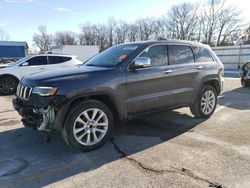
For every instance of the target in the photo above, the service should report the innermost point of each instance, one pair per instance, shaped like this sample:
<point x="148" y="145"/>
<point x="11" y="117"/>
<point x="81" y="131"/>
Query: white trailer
<point x="82" y="52"/>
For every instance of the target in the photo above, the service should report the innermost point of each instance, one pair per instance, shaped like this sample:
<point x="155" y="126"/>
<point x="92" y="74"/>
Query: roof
<point x="171" y="41"/>
<point x="61" y="55"/>
<point x="62" y="46"/>
<point x="14" y="43"/>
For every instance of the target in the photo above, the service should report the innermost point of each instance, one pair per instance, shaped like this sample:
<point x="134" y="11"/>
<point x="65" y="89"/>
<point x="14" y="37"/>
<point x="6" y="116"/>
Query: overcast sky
<point x="20" y="18"/>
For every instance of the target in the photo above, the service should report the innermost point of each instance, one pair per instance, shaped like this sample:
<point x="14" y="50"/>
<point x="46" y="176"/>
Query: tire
<point x="8" y="85"/>
<point x="83" y="135"/>
<point x="245" y="83"/>
<point x="198" y="109"/>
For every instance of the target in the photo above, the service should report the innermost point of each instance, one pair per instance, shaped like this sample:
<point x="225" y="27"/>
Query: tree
<point x="88" y="34"/>
<point x="146" y="28"/>
<point x="228" y="23"/>
<point x="42" y="39"/>
<point x="65" y="38"/>
<point x="4" y="35"/>
<point x="182" y="20"/>
<point x="121" y="32"/>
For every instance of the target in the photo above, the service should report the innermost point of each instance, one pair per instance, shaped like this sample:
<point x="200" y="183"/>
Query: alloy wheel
<point x="90" y="126"/>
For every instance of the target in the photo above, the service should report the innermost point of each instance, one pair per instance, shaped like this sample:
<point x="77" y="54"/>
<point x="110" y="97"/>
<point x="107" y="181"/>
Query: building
<point x="82" y="52"/>
<point x="13" y="49"/>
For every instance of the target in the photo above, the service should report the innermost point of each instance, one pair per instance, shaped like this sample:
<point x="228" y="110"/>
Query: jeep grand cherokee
<point x="122" y="82"/>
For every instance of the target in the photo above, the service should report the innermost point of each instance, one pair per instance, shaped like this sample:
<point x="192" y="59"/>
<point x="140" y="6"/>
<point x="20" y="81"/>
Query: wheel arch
<point x="214" y="82"/>
<point x="106" y="98"/>
<point x="10" y="75"/>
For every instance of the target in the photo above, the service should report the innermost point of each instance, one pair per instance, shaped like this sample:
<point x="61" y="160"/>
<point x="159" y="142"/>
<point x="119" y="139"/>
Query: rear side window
<point x="202" y="55"/>
<point x="57" y="59"/>
<point x="157" y="55"/>
<point x="41" y="60"/>
<point x="179" y="54"/>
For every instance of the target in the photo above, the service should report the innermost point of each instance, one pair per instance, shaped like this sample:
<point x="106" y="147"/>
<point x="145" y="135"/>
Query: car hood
<point x="61" y="74"/>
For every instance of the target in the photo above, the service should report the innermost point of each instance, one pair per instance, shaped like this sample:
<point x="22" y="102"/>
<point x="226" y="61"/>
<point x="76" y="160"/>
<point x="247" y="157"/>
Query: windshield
<point x="19" y="61"/>
<point x="112" y="56"/>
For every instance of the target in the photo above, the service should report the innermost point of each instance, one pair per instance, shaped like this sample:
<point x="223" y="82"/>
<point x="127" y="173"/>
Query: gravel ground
<point x="171" y="149"/>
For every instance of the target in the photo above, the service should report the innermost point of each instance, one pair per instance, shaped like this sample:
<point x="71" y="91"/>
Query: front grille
<point x="23" y="92"/>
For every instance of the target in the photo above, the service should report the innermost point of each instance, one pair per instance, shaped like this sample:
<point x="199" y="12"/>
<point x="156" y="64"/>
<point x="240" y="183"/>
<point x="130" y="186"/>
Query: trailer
<point x="82" y="52"/>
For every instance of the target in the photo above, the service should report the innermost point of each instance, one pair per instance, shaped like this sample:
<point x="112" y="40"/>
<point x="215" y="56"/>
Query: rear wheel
<point x="206" y="103"/>
<point x="8" y="85"/>
<point x="245" y="83"/>
<point x="88" y="126"/>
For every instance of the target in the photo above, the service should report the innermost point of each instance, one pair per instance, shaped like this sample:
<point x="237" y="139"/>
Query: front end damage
<point x="39" y="112"/>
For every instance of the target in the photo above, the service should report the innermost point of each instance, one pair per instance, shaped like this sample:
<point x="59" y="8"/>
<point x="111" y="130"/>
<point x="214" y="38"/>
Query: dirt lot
<point x="171" y="149"/>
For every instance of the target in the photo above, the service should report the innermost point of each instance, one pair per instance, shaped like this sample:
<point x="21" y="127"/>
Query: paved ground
<point x="171" y="149"/>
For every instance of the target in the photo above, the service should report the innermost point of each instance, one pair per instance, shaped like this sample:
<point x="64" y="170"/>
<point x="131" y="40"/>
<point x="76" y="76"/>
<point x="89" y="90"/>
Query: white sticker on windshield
<point x="130" y="48"/>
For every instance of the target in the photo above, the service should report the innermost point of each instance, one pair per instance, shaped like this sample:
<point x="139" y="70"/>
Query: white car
<point x="11" y="73"/>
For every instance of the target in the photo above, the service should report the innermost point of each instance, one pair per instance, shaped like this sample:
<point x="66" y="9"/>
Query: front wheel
<point x="88" y="126"/>
<point x="206" y="103"/>
<point x="8" y="85"/>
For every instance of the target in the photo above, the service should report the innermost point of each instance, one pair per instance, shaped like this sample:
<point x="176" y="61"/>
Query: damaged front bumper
<point x="39" y="113"/>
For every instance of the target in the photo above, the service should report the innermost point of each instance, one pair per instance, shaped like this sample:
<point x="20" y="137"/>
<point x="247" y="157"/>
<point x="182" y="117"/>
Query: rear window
<point x="202" y="55"/>
<point x="180" y="54"/>
<point x="58" y="59"/>
<point x="40" y="60"/>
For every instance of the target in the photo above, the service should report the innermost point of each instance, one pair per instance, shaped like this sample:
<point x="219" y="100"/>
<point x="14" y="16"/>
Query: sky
<point x="20" y="18"/>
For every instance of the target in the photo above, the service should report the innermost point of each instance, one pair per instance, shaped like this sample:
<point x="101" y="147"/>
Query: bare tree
<point x="210" y="16"/>
<point x="65" y="38"/>
<point x="133" y="32"/>
<point x="102" y="36"/>
<point x="121" y="32"/>
<point x="4" y="35"/>
<point x="228" y="23"/>
<point x="88" y="34"/>
<point x="181" y="21"/>
<point x="146" y="28"/>
<point x="42" y="40"/>
<point x="110" y="28"/>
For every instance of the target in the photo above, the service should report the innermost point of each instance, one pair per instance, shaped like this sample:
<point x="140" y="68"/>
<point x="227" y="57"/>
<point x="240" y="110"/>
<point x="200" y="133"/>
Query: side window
<point x="202" y="55"/>
<point x="58" y="59"/>
<point x="41" y="60"/>
<point x="157" y="55"/>
<point x="180" y="54"/>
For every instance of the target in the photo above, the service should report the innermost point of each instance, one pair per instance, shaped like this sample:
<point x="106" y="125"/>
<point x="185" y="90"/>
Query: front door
<point x="150" y="88"/>
<point x="35" y="65"/>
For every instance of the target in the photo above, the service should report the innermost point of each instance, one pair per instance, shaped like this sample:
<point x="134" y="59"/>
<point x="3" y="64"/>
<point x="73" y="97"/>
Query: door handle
<point x="199" y="67"/>
<point x="167" y="71"/>
<point x="42" y="68"/>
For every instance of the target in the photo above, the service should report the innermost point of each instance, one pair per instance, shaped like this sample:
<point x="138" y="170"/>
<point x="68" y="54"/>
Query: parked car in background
<point x="122" y="82"/>
<point x="11" y="73"/>
<point x="245" y="75"/>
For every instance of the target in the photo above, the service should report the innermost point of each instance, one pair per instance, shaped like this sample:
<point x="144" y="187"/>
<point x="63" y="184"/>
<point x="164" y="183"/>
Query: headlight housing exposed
<point x="45" y="91"/>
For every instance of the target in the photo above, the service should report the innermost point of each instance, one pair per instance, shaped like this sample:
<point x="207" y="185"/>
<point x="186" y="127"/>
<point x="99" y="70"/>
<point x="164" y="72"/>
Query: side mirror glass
<point x="25" y="64"/>
<point x="142" y="62"/>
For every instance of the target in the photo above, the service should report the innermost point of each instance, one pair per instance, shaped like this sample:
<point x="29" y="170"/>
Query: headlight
<point x="45" y="91"/>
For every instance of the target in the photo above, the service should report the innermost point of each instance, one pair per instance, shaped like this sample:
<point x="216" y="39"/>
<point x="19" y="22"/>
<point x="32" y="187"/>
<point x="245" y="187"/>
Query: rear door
<point x="183" y="73"/>
<point x="56" y="62"/>
<point x="150" y="88"/>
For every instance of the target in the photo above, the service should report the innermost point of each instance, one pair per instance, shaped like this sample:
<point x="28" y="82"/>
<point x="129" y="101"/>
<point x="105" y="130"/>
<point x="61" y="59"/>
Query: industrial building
<point x="13" y="49"/>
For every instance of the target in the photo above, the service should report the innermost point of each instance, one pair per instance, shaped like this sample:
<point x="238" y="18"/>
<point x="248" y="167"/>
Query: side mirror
<point x="25" y="64"/>
<point x="142" y="62"/>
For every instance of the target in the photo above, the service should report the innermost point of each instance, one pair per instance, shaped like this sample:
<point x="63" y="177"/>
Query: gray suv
<point x="122" y="82"/>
